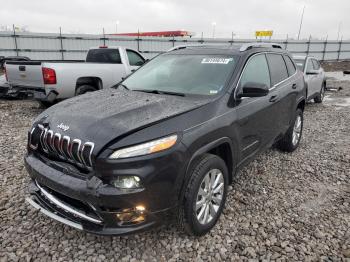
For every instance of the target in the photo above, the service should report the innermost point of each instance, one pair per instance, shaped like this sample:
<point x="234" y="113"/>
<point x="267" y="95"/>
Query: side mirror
<point x="252" y="89"/>
<point x="312" y="72"/>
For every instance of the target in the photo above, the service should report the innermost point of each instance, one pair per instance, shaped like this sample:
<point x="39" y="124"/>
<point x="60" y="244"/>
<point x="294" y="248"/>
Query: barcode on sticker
<point x="216" y="60"/>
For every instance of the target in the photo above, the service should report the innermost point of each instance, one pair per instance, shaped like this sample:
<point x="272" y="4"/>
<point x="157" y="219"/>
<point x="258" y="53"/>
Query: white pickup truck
<point x="52" y="81"/>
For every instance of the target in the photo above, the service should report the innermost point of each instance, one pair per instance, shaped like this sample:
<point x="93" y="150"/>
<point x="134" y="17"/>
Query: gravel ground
<point x="282" y="206"/>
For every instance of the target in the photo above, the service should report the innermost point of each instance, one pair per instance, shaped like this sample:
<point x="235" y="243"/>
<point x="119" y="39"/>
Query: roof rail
<point x="197" y="45"/>
<point x="247" y="46"/>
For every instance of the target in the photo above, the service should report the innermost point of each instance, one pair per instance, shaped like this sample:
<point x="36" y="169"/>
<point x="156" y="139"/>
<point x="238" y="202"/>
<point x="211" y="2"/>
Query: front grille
<point x="62" y="147"/>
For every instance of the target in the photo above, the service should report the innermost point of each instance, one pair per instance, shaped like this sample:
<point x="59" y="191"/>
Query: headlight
<point x="146" y="148"/>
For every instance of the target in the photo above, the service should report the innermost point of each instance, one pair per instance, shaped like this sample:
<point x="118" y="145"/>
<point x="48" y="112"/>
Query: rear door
<point x="257" y="116"/>
<point x="27" y="74"/>
<point x="281" y="87"/>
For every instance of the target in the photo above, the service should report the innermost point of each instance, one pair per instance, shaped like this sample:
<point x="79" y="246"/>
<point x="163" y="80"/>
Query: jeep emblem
<point x="63" y="127"/>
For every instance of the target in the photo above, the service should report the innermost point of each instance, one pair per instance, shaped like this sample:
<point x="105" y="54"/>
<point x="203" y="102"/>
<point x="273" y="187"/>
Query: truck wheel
<point x="205" y="195"/>
<point x="84" y="89"/>
<point x="291" y="139"/>
<point x="320" y="96"/>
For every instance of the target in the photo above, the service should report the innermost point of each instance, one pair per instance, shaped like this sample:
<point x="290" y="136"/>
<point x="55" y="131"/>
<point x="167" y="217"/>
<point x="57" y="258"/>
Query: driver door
<point x="258" y="117"/>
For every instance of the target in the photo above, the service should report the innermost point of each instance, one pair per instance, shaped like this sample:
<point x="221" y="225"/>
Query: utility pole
<point x="301" y="22"/>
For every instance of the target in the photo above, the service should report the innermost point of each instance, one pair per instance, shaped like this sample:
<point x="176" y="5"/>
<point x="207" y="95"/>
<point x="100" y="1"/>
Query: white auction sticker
<point x="216" y="60"/>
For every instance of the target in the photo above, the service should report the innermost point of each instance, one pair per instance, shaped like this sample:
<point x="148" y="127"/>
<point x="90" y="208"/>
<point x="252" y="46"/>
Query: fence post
<point x="308" y="46"/>
<point x="138" y="40"/>
<point x="15" y="38"/>
<point x="324" y="49"/>
<point x="61" y="42"/>
<point x="339" y="50"/>
<point x="104" y="37"/>
<point x="286" y="45"/>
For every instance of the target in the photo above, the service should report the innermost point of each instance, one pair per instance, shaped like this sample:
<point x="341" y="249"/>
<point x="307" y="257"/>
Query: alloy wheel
<point x="209" y="196"/>
<point x="297" y="130"/>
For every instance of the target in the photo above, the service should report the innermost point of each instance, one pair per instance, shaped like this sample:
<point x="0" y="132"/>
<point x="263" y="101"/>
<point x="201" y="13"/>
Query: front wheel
<point x="290" y="141"/>
<point x="205" y="195"/>
<point x="320" y="96"/>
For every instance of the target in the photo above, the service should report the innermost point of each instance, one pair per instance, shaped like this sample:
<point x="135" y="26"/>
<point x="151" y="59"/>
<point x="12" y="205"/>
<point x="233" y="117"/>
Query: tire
<point x="319" y="98"/>
<point x="83" y="89"/>
<point x="189" y="218"/>
<point x="288" y="143"/>
<point x="45" y="104"/>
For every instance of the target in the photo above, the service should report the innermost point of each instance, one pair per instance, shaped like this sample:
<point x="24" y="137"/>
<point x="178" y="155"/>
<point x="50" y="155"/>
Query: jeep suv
<point x="168" y="139"/>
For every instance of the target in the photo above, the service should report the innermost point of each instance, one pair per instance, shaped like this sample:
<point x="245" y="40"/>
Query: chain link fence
<point x="50" y="46"/>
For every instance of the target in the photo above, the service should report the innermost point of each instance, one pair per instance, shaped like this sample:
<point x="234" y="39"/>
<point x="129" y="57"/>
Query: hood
<point x="105" y="115"/>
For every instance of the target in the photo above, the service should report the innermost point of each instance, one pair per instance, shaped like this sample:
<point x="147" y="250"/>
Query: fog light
<point x="132" y="215"/>
<point x="127" y="182"/>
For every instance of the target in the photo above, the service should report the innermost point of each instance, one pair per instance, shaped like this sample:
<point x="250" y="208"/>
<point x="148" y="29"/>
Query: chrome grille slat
<point x="64" y="147"/>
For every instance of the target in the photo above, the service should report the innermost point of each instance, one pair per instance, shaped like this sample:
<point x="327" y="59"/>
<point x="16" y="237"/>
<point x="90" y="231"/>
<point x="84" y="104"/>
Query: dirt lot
<point x="281" y="207"/>
<point x="336" y="66"/>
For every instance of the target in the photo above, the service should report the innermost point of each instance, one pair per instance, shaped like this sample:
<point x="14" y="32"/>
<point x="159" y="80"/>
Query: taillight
<point x="49" y="76"/>
<point x="5" y="73"/>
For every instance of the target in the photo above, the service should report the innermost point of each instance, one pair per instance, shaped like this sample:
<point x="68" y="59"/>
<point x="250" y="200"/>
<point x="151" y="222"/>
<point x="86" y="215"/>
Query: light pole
<point x="116" y="27"/>
<point x="214" y="25"/>
<point x="339" y="29"/>
<point x="301" y="21"/>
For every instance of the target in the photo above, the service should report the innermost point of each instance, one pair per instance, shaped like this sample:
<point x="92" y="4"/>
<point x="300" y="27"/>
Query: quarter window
<point x="278" y="68"/>
<point x="256" y="71"/>
<point x="134" y="58"/>
<point x="290" y="65"/>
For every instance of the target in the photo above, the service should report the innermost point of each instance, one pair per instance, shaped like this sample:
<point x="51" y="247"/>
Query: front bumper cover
<point x="85" y="204"/>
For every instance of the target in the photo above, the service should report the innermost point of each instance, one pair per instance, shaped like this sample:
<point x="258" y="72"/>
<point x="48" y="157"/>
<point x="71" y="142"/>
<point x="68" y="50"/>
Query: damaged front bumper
<point x="88" y="204"/>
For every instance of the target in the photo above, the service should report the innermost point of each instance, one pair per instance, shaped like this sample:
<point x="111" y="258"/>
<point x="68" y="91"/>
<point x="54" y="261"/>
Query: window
<point x="104" y="55"/>
<point x="256" y="71"/>
<point x="290" y="65"/>
<point x="278" y="68"/>
<point x="316" y="64"/>
<point x="134" y="58"/>
<point x="309" y="65"/>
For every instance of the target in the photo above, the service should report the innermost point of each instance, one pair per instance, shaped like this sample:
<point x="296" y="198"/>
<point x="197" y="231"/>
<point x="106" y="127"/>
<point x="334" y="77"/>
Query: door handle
<point x="273" y="98"/>
<point x="294" y="86"/>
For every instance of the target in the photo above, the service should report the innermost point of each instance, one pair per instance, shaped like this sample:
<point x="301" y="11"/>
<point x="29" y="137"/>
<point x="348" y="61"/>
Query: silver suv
<point x="314" y="77"/>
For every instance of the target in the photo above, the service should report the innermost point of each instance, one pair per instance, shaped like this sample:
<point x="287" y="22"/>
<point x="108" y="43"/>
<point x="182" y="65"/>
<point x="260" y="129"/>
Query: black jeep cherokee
<point x="168" y="138"/>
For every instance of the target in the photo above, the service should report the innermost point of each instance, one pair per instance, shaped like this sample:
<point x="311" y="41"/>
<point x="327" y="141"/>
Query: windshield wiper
<point x="124" y="86"/>
<point x="160" y="92"/>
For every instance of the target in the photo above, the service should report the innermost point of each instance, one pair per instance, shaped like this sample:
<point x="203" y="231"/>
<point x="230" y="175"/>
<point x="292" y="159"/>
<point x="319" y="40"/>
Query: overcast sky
<point x="322" y="17"/>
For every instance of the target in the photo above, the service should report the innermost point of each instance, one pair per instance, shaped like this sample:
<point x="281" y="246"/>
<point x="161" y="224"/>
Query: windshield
<point x="186" y="74"/>
<point x="300" y="63"/>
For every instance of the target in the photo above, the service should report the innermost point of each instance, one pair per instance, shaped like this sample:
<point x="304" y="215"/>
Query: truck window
<point x="277" y="67"/>
<point x="290" y="66"/>
<point x="134" y="58"/>
<point x="256" y="71"/>
<point x="104" y="55"/>
<point x="309" y="65"/>
<point x="316" y="64"/>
